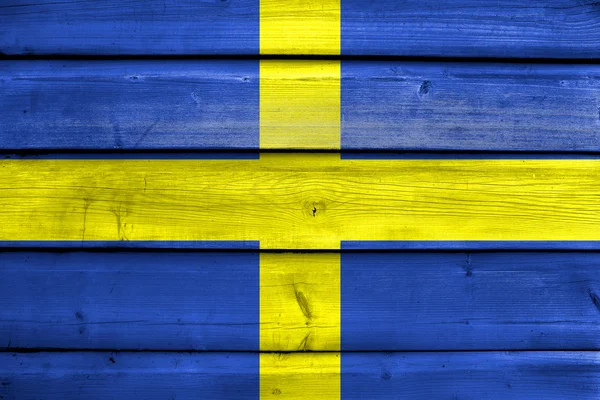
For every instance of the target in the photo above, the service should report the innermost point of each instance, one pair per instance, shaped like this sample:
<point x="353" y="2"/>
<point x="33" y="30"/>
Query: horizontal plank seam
<point x="465" y="250"/>
<point x="433" y="59"/>
<point x="18" y="350"/>
<point x="225" y="153"/>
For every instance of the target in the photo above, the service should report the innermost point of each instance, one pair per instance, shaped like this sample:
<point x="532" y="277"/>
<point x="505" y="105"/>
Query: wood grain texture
<point x="145" y="375"/>
<point x="132" y="300"/>
<point x="464" y="28"/>
<point x="114" y="27"/>
<point x="489" y="375"/>
<point x="189" y="105"/>
<point x="389" y="301"/>
<point x="476" y="106"/>
<point x="300" y="375"/>
<point x="300" y="200"/>
<point x="471" y="28"/>
<point x="472" y="301"/>
<point x="129" y="105"/>
<point x="299" y="302"/>
<point x="300" y="27"/>
<point x="300" y="104"/>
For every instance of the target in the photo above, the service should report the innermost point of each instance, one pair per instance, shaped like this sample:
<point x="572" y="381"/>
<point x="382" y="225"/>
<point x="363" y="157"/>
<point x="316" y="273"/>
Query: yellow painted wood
<point x="299" y="104"/>
<point x="299" y="311"/>
<point x="299" y="301"/>
<point x="300" y="376"/>
<point x="300" y="27"/>
<point x="295" y="201"/>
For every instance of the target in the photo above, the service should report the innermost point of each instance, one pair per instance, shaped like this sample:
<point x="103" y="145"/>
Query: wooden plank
<point x="471" y="28"/>
<point x="462" y="28"/>
<point x="389" y="301"/>
<point x="472" y="301"/>
<point x="188" y="105"/>
<point x="300" y="104"/>
<point x="114" y="27"/>
<point x="99" y="375"/>
<point x="132" y="300"/>
<point x="480" y="107"/>
<point x="489" y="375"/>
<point x="300" y="27"/>
<point x="299" y="302"/>
<point x="300" y="375"/>
<point x="300" y="200"/>
<point x="129" y="105"/>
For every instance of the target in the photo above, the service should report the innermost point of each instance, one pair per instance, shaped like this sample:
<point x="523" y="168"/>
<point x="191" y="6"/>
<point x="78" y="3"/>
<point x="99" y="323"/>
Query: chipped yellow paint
<point x="300" y="376"/>
<point x="299" y="104"/>
<point x="300" y="201"/>
<point x="299" y="301"/>
<point x="300" y="27"/>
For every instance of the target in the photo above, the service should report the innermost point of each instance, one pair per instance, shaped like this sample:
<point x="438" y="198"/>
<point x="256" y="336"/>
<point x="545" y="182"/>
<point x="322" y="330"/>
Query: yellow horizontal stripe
<point x="291" y="201"/>
<point x="299" y="104"/>
<point x="300" y="27"/>
<point x="300" y="376"/>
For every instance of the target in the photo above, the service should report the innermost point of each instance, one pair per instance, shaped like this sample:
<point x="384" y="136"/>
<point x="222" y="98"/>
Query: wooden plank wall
<point x="328" y="199"/>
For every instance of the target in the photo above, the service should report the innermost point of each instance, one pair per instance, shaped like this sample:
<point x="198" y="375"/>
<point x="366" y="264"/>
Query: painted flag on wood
<point x="308" y="228"/>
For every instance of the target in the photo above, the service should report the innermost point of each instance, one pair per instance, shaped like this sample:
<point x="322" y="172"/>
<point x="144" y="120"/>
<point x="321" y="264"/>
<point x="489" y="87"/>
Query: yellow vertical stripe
<point x="300" y="311"/>
<point x="300" y="27"/>
<point x="300" y="376"/>
<point x="299" y="104"/>
<point x="299" y="301"/>
<point x="300" y="109"/>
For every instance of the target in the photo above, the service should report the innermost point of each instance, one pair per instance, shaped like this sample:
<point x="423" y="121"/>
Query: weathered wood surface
<point x="129" y="105"/>
<point x="189" y="105"/>
<point x="490" y="375"/>
<point x="481" y="107"/>
<point x="473" y="301"/>
<point x="138" y="27"/>
<point x="130" y="300"/>
<point x="464" y="28"/>
<point x="389" y="301"/>
<point x="300" y="200"/>
<point x="99" y="375"/>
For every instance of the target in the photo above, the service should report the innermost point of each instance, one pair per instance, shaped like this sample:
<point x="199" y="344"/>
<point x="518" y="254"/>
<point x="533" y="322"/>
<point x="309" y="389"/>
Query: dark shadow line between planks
<point x="224" y="153"/>
<point x="429" y="250"/>
<point x="436" y="59"/>
<point x="22" y="350"/>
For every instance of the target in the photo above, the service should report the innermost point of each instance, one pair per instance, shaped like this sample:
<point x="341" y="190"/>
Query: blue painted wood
<point x="189" y="300"/>
<point x="470" y="106"/>
<point x="488" y="375"/>
<point x="164" y="27"/>
<point x="471" y="28"/>
<point x="470" y="301"/>
<point x="131" y="244"/>
<point x="129" y="300"/>
<point x="459" y="28"/>
<point x="467" y="245"/>
<point x="188" y="105"/>
<point x="129" y="105"/>
<point x="100" y="375"/>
